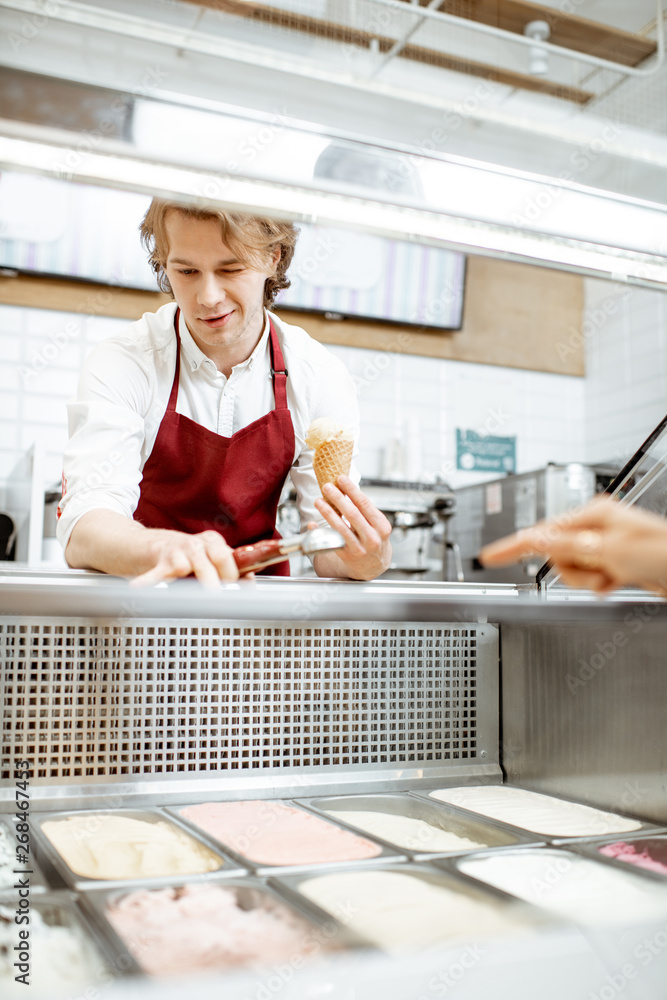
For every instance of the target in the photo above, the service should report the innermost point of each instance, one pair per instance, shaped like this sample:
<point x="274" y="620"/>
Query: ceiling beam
<point x="570" y="31"/>
<point x="346" y="35"/>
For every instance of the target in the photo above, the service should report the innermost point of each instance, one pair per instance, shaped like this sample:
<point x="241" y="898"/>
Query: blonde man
<point x="186" y="425"/>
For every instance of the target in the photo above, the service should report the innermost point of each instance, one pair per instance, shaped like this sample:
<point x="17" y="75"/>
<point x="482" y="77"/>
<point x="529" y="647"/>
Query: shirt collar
<point x="196" y="357"/>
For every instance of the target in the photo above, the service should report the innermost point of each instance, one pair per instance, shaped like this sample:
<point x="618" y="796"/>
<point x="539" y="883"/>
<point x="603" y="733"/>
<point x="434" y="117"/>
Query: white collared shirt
<point x="123" y="393"/>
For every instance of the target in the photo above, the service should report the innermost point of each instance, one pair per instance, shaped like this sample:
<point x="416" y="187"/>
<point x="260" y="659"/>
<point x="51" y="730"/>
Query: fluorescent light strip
<point x="326" y="208"/>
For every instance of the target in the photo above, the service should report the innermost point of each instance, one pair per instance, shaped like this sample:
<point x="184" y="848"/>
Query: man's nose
<point x="211" y="290"/>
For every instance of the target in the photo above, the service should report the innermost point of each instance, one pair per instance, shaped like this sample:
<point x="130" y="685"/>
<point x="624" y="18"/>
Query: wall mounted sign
<point x="484" y="453"/>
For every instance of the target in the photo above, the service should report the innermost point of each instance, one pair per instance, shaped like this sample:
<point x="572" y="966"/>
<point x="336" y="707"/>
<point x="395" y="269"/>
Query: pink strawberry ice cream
<point x="204" y="928"/>
<point x="272" y="833"/>
<point x="650" y="853"/>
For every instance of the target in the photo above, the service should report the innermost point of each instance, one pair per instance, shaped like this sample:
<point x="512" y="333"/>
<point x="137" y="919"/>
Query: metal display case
<point x="328" y="692"/>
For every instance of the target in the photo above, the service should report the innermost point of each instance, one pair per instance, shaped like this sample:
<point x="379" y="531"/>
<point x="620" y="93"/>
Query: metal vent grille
<point x="83" y="700"/>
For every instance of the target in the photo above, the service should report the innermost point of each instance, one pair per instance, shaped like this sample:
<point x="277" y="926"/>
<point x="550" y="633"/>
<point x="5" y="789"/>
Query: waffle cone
<point x="332" y="459"/>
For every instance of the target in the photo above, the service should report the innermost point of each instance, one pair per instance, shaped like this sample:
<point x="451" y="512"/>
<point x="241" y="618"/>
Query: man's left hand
<point x="366" y="531"/>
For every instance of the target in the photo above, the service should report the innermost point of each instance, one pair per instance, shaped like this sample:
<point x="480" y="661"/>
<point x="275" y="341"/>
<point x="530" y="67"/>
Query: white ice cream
<point x="401" y="912"/>
<point x="580" y="889"/>
<point x="7" y="859"/>
<point x="62" y="961"/>
<point x="405" y="831"/>
<point x="536" y="812"/>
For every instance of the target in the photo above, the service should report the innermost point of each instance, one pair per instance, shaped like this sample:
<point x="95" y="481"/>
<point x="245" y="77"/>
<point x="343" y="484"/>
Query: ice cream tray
<point x="327" y="931"/>
<point x="61" y="909"/>
<point x="486" y="833"/>
<point x="386" y="852"/>
<point x="525" y="835"/>
<point x="522" y="916"/>
<point x="649" y="904"/>
<point x="59" y="872"/>
<point x="591" y="849"/>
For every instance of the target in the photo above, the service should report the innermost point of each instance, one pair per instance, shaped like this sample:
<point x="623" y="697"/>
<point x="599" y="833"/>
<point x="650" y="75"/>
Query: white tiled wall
<point x="421" y="401"/>
<point x="415" y="401"/>
<point x="625" y="332"/>
<point x="41" y="354"/>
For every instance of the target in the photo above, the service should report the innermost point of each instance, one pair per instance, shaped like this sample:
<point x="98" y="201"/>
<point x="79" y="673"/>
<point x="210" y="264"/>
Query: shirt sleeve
<point x="105" y="453"/>
<point x="336" y="398"/>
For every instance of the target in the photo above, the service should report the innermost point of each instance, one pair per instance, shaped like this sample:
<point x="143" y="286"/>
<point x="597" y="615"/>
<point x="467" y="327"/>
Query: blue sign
<point x="484" y="453"/>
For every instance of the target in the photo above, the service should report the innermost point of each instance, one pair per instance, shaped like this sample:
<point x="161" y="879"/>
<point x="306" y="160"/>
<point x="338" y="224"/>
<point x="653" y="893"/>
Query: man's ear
<point x="275" y="257"/>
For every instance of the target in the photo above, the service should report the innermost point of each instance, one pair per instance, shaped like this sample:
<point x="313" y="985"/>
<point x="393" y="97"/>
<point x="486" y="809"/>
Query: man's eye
<point x="186" y="271"/>
<point x="237" y="270"/>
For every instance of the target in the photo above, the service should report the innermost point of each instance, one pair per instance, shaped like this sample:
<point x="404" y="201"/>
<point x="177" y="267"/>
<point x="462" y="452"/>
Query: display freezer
<point x="344" y="705"/>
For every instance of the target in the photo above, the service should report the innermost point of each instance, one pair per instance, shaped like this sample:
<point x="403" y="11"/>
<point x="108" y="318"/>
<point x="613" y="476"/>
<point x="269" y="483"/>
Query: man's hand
<point x="206" y="555"/>
<point x="366" y="531"/>
<point x="112" y="543"/>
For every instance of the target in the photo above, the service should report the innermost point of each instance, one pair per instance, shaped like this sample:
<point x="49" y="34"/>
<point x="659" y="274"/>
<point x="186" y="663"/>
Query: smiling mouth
<point x="219" y="320"/>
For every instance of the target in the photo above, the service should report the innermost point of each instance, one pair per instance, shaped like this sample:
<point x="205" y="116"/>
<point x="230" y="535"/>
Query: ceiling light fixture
<point x="538" y="57"/>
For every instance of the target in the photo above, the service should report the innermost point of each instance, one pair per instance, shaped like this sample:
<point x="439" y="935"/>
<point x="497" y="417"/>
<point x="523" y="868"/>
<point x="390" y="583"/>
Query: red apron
<point x="196" y="480"/>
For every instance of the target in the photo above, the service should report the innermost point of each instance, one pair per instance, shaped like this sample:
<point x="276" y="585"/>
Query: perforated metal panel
<point x="82" y="700"/>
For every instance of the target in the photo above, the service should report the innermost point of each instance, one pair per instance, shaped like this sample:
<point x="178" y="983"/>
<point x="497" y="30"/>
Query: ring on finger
<point x="588" y="545"/>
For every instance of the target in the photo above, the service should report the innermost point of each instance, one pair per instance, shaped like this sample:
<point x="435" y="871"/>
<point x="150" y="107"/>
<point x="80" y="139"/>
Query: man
<point x="186" y="425"/>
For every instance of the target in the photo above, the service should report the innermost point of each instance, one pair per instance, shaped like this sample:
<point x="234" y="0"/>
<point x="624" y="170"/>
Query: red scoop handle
<point x="251" y="557"/>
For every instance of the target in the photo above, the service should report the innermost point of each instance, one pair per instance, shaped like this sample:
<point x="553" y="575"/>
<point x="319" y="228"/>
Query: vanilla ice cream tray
<point x="509" y="916"/>
<point x="598" y="819"/>
<point x="209" y="859"/>
<point x="427" y="826"/>
<point x="565" y="881"/>
<point x="383" y="853"/>
<point x="251" y="893"/>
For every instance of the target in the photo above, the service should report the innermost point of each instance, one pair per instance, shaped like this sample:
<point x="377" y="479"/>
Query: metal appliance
<point x="490" y="510"/>
<point x="420" y="515"/>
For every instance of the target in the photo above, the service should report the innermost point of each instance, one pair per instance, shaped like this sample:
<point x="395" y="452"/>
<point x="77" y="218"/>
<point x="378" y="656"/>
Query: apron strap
<point x="173" y="396"/>
<point x="278" y="371"/>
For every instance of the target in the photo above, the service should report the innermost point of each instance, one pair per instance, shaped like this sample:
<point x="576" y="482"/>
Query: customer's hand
<point x="600" y="547"/>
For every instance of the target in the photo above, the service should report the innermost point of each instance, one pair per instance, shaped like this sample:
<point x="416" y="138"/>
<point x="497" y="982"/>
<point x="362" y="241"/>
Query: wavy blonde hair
<point x="252" y="239"/>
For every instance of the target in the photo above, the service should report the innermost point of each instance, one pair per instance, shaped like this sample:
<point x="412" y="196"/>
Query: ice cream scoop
<point x="250" y="558"/>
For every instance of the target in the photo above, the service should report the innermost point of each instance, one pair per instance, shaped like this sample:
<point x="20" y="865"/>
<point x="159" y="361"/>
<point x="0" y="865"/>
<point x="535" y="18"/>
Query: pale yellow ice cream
<point x="107" y="846"/>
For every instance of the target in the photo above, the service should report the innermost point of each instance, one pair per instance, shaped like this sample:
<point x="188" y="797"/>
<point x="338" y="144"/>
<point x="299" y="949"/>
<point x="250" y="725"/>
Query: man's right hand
<point x="107" y="541"/>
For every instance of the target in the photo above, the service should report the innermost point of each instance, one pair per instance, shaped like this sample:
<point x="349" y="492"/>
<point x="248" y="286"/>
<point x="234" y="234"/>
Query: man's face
<point x="220" y="298"/>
